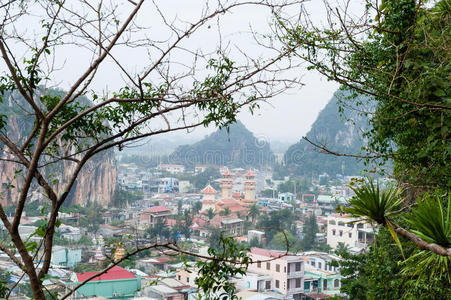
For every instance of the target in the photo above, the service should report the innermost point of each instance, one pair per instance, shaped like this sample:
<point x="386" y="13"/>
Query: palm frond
<point x="431" y="222"/>
<point x="373" y="203"/>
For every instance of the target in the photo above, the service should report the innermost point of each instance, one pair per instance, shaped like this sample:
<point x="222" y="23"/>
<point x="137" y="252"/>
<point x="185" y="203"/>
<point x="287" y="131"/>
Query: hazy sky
<point x="287" y="118"/>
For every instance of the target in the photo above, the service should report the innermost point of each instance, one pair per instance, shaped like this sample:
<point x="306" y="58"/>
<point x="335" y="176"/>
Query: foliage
<point x="197" y="207"/>
<point x="432" y="223"/>
<point x="85" y="241"/>
<point x="275" y="222"/>
<point x="255" y="243"/>
<point x="122" y="198"/>
<point x="214" y="238"/>
<point x="298" y="186"/>
<point x="284" y="241"/>
<point x="398" y="61"/>
<point x="199" y="181"/>
<point x="210" y="213"/>
<point x="158" y="230"/>
<point x="310" y="229"/>
<point x="378" y="274"/>
<point x="228" y="259"/>
<point x="337" y="134"/>
<point x="4" y="278"/>
<point x="373" y="203"/>
<point x="254" y="212"/>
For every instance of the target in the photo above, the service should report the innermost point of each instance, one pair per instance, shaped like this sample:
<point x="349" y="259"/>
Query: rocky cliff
<point x="340" y="133"/>
<point x="95" y="183"/>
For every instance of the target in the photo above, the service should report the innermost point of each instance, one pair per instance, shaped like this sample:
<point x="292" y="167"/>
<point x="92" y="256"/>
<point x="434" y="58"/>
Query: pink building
<point x="284" y="273"/>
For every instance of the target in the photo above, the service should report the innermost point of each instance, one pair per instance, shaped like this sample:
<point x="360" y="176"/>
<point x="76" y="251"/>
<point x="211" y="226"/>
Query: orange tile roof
<point x="208" y="190"/>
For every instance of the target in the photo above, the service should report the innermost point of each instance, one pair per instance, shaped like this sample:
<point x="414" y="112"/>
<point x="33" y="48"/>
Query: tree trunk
<point x="29" y="268"/>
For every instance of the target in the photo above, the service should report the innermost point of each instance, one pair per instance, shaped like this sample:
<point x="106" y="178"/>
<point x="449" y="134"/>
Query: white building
<point x="171" y="168"/>
<point x="283" y="273"/>
<point x="342" y="229"/>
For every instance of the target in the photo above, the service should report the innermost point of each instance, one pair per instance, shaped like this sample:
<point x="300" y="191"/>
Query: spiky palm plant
<point x="431" y="222"/>
<point x="374" y="204"/>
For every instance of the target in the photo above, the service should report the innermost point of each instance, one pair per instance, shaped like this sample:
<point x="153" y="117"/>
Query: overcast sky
<point x="286" y="118"/>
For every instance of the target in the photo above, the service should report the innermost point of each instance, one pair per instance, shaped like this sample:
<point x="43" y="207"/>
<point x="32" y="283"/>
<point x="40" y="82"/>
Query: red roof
<point x="249" y="174"/>
<point x="236" y="208"/>
<point x="229" y="201"/>
<point x="156" y="209"/>
<point x="226" y="173"/>
<point x="114" y="273"/>
<point x="267" y="253"/>
<point x="209" y="190"/>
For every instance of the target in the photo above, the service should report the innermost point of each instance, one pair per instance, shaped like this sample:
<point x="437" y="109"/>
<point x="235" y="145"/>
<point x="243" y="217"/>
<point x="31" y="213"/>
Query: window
<point x="336" y="283"/>
<point x="341" y="223"/>
<point x="350" y="225"/>
<point x="187" y="279"/>
<point x="259" y="264"/>
<point x="169" y="298"/>
<point x="332" y="222"/>
<point x="268" y="285"/>
<point x="360" y="226"/>
<point x="333" y="231"/>
<point x="284" y="269"/>
<point x="319" y="265"/>
<point x="325" y="284"/>
<point x="180" y="277"/>
<point x="298" y="266"/>
<point x="268" y="266"/>
<point x="350" y="235"/>
<point x="277" y="268"/>
<point x="313" y="263"/>
<point x="298" y="282"/>
<point x="277" y="284"/>
<point x="341" y="232"/>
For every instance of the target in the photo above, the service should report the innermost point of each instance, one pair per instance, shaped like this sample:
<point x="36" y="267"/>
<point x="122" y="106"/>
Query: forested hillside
<point x="236" y="147"/>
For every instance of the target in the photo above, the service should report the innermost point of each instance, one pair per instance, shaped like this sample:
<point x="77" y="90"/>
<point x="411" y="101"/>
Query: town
<point x="159" y="204"/>
<point x="225" y="150"/>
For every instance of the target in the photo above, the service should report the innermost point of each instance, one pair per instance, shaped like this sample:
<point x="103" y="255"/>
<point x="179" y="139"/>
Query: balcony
<point x="292" y="291"/>
<point x="296" y="274"/>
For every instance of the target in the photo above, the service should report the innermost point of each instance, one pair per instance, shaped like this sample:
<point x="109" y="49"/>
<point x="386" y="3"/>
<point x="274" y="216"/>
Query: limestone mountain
<point x="95" y="183"/>
<point x="339" y="132"/>
<point x="235" y="147"/>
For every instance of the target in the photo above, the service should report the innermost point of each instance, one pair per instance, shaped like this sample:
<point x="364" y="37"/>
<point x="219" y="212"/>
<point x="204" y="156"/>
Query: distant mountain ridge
<point x="338" y="135"/>
<point x="237" y="147"/>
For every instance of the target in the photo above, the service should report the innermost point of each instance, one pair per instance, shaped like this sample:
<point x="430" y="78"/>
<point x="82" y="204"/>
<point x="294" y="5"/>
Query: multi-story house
<point x="155" y="214"/>
<point x="284" y="273"/>
<point x="349" y="231"/>
<point x="232" y="226"/>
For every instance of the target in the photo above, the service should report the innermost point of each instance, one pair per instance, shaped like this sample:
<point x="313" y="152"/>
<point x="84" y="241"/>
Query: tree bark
<point x="437" y="249"/>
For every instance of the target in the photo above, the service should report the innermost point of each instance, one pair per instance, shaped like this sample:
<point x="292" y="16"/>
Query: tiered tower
<point x="226" y="184"/>
<point x="249" y="187"/>
<point x="208" y="198"/>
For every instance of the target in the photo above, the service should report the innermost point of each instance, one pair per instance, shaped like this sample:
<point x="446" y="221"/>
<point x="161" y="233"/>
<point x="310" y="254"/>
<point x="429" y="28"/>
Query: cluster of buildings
<point x="271" y="275"/>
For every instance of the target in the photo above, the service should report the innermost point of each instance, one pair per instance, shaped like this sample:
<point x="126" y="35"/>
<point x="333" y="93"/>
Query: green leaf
<point x="395" y="238"/>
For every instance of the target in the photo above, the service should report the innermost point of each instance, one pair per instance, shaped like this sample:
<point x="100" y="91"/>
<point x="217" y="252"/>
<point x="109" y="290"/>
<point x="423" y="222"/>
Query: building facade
<point x="344" y="229"/>
<point x="285" y="272"/>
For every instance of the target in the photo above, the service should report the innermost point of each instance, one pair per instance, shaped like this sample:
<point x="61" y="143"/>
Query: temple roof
<point x="208" y="190"/>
